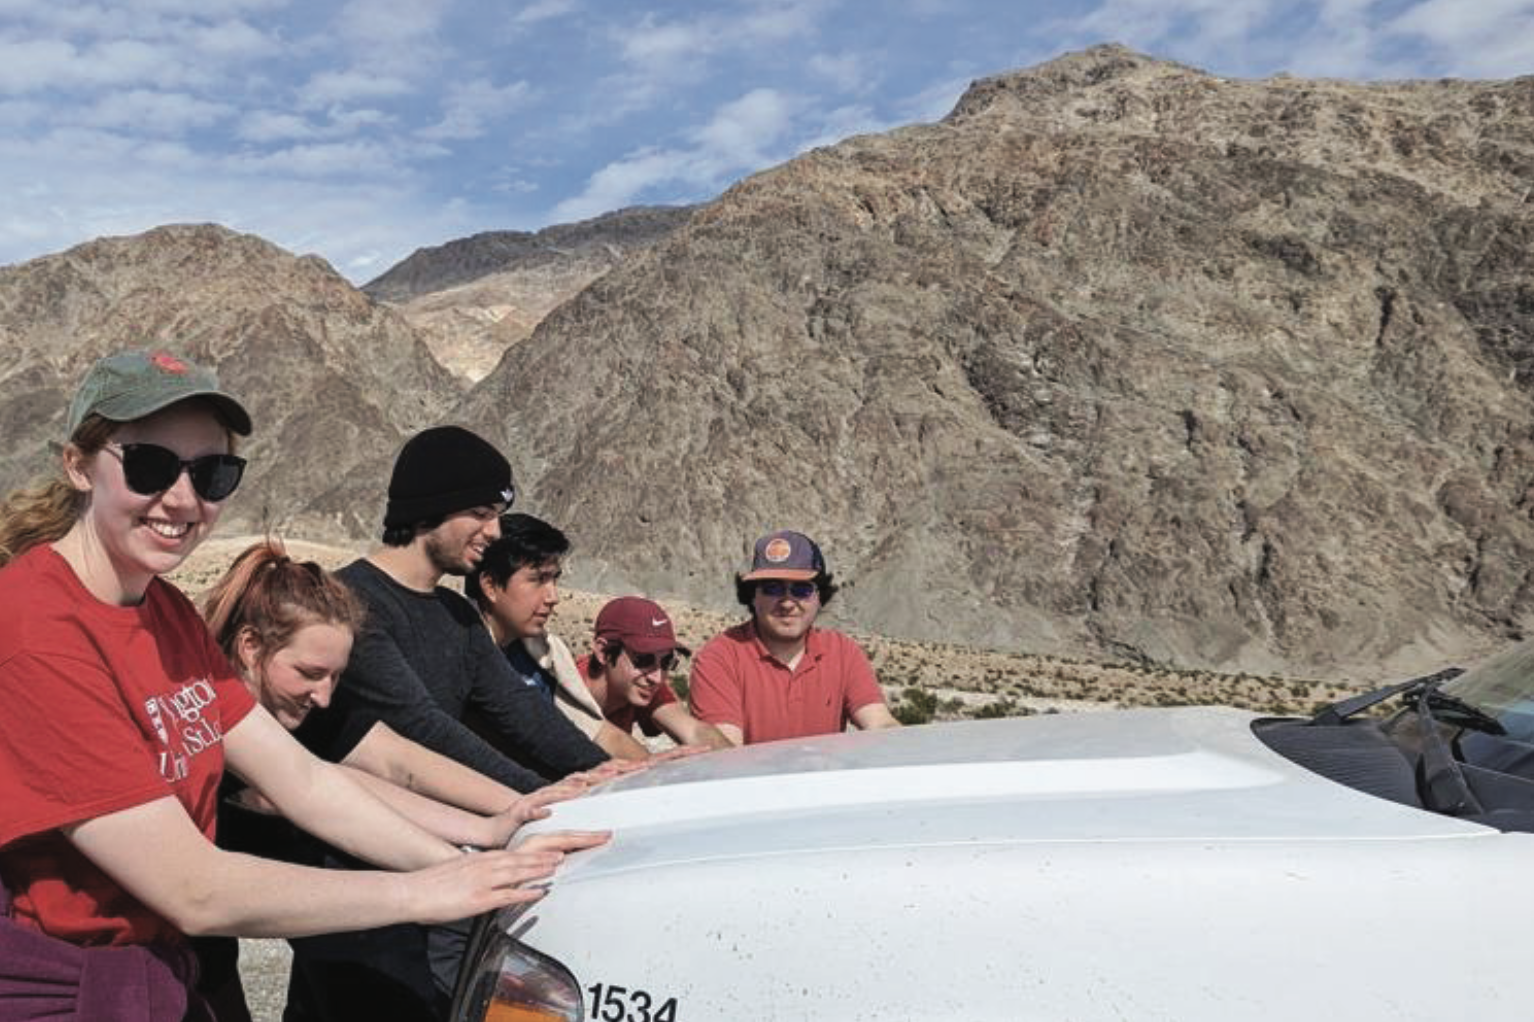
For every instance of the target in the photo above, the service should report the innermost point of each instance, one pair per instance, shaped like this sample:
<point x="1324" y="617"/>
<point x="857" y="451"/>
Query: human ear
<point x="247" y="649"/>
<point x="75" y="463"/>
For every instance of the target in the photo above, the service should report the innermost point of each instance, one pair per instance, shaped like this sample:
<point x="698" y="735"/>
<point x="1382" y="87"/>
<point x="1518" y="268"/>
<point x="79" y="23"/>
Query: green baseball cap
<point x="133" y="384"/>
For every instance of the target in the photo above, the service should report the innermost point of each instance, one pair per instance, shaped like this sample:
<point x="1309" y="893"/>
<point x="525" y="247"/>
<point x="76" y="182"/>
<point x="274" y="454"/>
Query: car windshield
<point x="1503" y="687"/>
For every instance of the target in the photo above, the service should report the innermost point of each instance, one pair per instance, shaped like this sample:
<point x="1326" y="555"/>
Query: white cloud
<point x="543" y="10"/>
<point x="741" y="132"/>
<point x="932" y="103"/>
<point x="743" y="135"/>
<point x="1202" y="26"/>
<point x="322" y="159"/>
<point x="274" y="126"/>
<point x="340" y="87"/>
<point x="470" y="105"/>
<point x="142" y="110"/>
<point x="31" y="65"/>
<point x="847" y="70"/>
<point x="1483" y="38"/>
<point x="393" y="26"/>
<point x="843" y="122"/>
<point x="234" y="39"/>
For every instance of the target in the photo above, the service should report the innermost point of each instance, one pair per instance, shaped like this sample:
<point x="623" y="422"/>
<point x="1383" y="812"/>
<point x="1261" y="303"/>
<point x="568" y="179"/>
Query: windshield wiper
<point x="1340" y="711"/>
<point x="1455" y="712"/>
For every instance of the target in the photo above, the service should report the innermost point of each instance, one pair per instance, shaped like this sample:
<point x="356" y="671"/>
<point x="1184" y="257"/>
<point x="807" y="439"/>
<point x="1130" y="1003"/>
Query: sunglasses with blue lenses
<point x="150" y="469"/>
<point x="777" y="588"/>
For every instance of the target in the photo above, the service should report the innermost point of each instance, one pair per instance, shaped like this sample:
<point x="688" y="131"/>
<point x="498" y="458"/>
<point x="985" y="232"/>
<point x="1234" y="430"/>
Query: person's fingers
<point x="567" y="840"/>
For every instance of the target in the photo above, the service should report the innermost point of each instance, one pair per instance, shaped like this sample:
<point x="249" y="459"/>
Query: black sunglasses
<point x="776" y="587"/>
<point x="644" y="663"/>
<point x="150" y="469"/>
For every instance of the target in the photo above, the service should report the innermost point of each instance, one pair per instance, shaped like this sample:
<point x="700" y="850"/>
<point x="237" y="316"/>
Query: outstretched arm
<point x="381" y="679"/>
<point x="385" y="753"/>
<point x="686" y="729"/>
<point x="465" y="828"/>
<point x="873" y="716"/>
<point x="203" y="890"/>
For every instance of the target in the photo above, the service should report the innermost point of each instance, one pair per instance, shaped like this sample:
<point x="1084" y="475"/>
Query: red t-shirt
<point x="105" y="708"/>
<point x="626" y="716"/>
<point x="736" y="681"/>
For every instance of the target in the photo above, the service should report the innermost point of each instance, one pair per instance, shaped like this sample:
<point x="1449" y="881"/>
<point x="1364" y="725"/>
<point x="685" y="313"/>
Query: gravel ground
<point x="264" y="971"/>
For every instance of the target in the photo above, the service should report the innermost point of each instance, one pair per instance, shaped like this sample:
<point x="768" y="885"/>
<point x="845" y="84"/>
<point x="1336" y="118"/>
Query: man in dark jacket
<point x="425" y="661"/>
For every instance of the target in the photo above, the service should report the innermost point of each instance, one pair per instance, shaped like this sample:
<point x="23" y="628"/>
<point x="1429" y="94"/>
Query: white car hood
<point x="1184" y="775"/>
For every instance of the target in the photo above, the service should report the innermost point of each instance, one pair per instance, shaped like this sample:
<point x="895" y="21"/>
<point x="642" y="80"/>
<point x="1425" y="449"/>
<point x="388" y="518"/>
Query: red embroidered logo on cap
<point x="778" y="550"/>
<point x="167" y="363"/>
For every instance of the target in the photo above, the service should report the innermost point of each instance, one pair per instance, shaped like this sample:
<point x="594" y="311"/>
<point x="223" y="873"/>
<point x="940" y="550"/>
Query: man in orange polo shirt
<point x="777" y="675"/>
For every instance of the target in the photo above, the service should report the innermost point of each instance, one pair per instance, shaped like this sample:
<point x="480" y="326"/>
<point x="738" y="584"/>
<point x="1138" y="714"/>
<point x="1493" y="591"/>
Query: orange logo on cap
<point x="777" y="550"/>
<point x="167" y="363"/>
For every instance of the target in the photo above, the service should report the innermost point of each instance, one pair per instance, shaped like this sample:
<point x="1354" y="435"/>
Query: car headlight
<point x="510" y="982"/>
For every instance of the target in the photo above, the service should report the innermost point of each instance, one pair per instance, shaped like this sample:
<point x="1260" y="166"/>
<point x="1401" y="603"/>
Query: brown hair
<point x="274" y="596"/>
<point x="46" y="510"/>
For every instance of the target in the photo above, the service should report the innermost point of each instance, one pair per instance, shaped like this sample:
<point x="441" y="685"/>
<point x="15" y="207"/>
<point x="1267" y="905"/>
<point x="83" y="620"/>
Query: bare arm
<point x="733" y="734"/>
<point x="384" y="752"/>
<point x="437" y="818"/>
<point x="324" y="799"/>
<point x="156" y="853"/>
<point x="686" y="729"/>
<point x="618" y="744"/>
<point x="464" y="828"/>
<point x="873" y="716"/>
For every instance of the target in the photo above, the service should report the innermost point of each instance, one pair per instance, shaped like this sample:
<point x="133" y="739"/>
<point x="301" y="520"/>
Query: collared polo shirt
<point x="735" y="680"/>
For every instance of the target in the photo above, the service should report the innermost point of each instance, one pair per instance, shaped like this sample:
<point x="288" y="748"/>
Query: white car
<point x="1156" y="864"/>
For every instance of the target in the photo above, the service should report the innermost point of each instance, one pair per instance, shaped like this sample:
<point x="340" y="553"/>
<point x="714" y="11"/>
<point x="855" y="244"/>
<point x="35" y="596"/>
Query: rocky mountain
<point x="474" y="298"/>
<point x="333" y="380"/>
<point x="1119" y="357"/>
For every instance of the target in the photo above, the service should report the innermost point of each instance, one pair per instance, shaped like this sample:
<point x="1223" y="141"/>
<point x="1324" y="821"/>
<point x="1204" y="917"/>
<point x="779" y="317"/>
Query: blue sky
<point x="363" y="130"/>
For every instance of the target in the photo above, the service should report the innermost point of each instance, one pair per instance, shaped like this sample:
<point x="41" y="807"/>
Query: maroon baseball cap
<point x="640" y="625"/>
<point x="783" y="554"/>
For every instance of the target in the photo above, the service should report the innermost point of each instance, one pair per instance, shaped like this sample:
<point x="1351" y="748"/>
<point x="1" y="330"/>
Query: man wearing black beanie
<point x="421" y="664"/>
<point x="424" y="660"/>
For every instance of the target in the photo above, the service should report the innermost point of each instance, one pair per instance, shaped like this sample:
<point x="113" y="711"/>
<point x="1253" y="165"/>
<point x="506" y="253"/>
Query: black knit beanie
<point x="442" y="470"/>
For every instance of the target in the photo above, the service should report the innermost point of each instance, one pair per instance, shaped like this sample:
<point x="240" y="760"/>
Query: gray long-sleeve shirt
<point x="425" y="661"/>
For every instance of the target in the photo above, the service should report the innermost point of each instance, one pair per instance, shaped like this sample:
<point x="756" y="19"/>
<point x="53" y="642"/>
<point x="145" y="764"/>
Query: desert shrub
<point x="998" y="708"/>
<point x="916" y="706"/>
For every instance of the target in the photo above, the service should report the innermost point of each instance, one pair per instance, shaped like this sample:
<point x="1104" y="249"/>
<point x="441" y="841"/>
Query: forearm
<point x="157" y="854"/>
<point x="685" y="729"/>
<point x="619" y="744"/>
<point x="523" y="719"/>
<point x="247" y="896"/>
<point x="873" y="716"/>
<point x="386" y="754"/>
<point x="437" y="818"/>
<point x="324" y="800"/>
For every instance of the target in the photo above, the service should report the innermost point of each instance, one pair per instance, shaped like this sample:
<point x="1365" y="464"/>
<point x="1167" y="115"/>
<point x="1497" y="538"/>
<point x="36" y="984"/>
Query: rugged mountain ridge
<point x="333" y="380"/>
<point x="474" y="298"/>
<point x="1119" y="357"/>
<point x="601" y="238"/>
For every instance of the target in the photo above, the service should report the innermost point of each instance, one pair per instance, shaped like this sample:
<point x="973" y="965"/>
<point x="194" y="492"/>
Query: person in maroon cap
<point x="633" y="649"/>
<point x="777" y="675"/>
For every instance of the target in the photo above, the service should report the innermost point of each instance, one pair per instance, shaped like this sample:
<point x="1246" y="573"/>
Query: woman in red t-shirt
<point x="121" y="715"/>
<point x="287" y="628"/>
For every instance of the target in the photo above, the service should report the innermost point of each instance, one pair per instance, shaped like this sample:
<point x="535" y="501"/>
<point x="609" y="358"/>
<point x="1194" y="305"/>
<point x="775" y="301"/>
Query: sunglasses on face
<point x="777" y="587"/>
<point x="150" y="469"/>
<point x="644" y="663"/>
